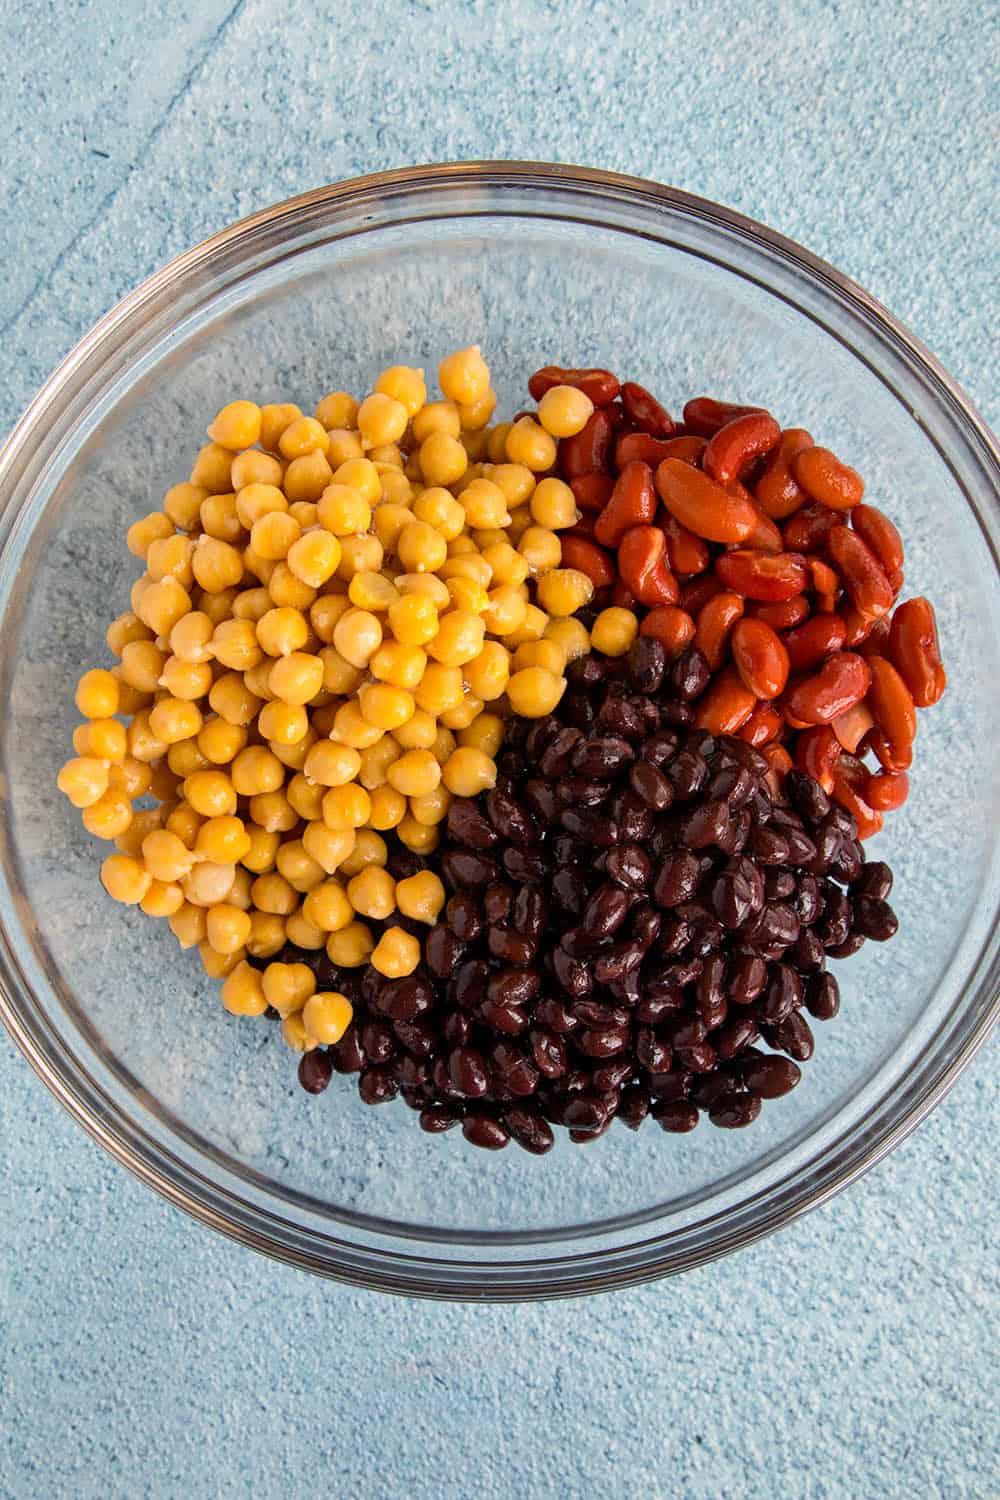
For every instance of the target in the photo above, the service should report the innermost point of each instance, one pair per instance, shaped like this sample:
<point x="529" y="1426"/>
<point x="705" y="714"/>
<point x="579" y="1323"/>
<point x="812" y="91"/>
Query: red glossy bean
<point x="642" y="563"/>
<point x="879" y="535"/>
<point x="735" y="446"/>
<point x="696" y="592"/>
<point x="715" y="623"/>
<point x="587" y="557"/>
<point x="763" y="575"/>
<point x="777" y="491"/>
<point x="824" y="478"/>
<point x="852" y="726"/>
<point x="914" y="651"/>
<point x="891" y="705"/>
<point x="765" y="536"/>
<point x="875" y="642"/>
<point x="780" y="763"/>
<point x="622" y="596"/>
<point x="686" y="552"/>
<point x="727" y="704"/>
<point x="644" y="411"/>
<point x="764" y="725"/>
<point x="841" y="681"/>
<point x="632" y="503"/>
<point x="705" y="416"/>
<point x="703" y="506"/>
<point x="851" y="797"/>
<point x="817" y="752"/>
<point x="633" y="445"/>
<point x="592" y="491"/>
<point x="784" y="615"/>
<point x="687" y="446"/>
<point x="888" y="791"/>
<point x="589" y="450"/>
<point x="584" y="527"/>
<point x="760" y="658"/>
<point x="863" y="575"/>
<point x="672" y="627"/>
<point x="809" y="528"/>
<point x="892" y="757"/>
<point x="814" y="639"/>
<point x="825" y="582"/>
<point x="600" y="385"/>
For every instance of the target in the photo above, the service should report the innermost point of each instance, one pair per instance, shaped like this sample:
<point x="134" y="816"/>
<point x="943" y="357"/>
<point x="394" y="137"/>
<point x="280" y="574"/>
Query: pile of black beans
<point x="636" y="914"/>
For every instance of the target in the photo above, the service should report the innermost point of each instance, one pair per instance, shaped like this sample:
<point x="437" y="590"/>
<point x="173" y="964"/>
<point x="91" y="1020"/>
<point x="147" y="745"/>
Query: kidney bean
<point x="864" y="578"/>
<point x="599" y="385"/>
<point x="633" y="445"/>
<point x="763" y="575"/>
<point x="687" y="446"/>
<point x="824" y="478"/>
<point x="879" y="536"/>
<point x="590" y="559"/>
<point x="777" y="491"/>
<point x="703" y="506"/>
<point x="696" y="592"/>
<point x="852" y="726"/>
<point x="892" y="709"/>
<point x="736" y="444"/>
<point x="686" y="553"/>
<point x="825" y="582"/>
<point x="727" y="704"/>
<point x="784" y="615"/>
<point x="642" y="565"/>
<point x="816" y="754"/>
<point x="888" y="791"/>
<point x="765" y="536"/>
<point x="632" y="503"/>
<point x="914" y="651"/>
<point x="842" y="681"/>
<point x="644" y="411"/>
<point x="763" y="725"/>
<point x="715" y="623"/>
<point x="807" y="644"/>
<point x="808" y="529"/>
<point x="760" y="657"/>
<point x="850" y="797"/>
<point x="592" y="493"/>
<point x="589" y="450"/>
<point x="672" y="627"/>
<point x="704" y="416"/>
<point x="874" y="634"/>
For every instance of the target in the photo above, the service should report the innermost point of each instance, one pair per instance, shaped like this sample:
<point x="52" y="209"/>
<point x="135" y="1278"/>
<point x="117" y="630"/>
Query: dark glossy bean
<point x="677" y="878"/>
<point x="315" y="1070"/>
<point x="436" y="1118"/>
<point x="700" y="1058"/>
<point x="807" y="901"/>
<point x="746" y="978"/>
<point x="690" y="674"/>
<point x="703" y="825"/>
<point x="734" y="1111"/>
<point x="806" y="796"/>
<point x="419" y="1037"/>
<point x="823" y="996"/>
<point x="875" y="879"/>
<point x="484" y="1131"/>
<point x="530" y="910"/>
<point x="688" y="773"/>
<point x="731" y="898"/>
<point x="582" y="791"/>
<point x="517" y="1072"/>
<point x="651" y="786"/>
<point x="768" y="847"/>
<point x="555" y="1014"/>
<point x="457" y="1028"/>
<point x="525" y="864"/>
<point x="644" y="924"/>
<point x="852" y="944"/>
<point x="467" y="825"/>
<point x="468" y="1073"/>
<point x="467" y="870"/>
<point x="676" y="1084"/>
<point x="404" y="999"/>
<point x="497" y="901"/>
<point x="633" y="1106"/>
<point x="794" y="1036"/>
<point x="586" y="1114"/>
<point x="579" y="943"/>
<point x="507" y="1018"/>
<point x="770" y="1077"/>
<point x="442" y="951"/>
<point x="377" y="1086"/>
<point x="783" y="993"/>
<point x="569" y="892"/>
<point x="606" y="910"/>
<point x="378" y="1042"/>
<point x="602" y="757"/>
<point x="654" y="1009"/>
<point x="510" y="817"/>
<point x="590" y="827"/>
<point x="735" y="1035"/>
<point x="529" y="1130"/>
<point x="652" y="1052"/>
<point x="468" y="984"/>
<point x="549" y="1053"/>
<point x="601" y="1043"/>
<point x="347" y="1055"/>
<point x="628" y="866"/>
<point x="612" y="965"/>
<point x="612" y="1075"/>
<point x="510" y="946"/>
<point x="807" y="952"/>
<point x="677" y="1116"/>
<point x="464" y="917"/>
<point x="658" y="749"/>
<point x="874" y="918"/>
<point x="647" y="662"/>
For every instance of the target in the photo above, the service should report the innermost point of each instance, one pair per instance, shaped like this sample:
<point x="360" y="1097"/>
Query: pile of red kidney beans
<point x="642" y="910"/>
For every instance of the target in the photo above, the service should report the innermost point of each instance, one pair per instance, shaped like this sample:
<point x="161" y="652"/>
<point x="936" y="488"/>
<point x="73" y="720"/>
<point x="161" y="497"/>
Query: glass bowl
<point x="537" y="263"/>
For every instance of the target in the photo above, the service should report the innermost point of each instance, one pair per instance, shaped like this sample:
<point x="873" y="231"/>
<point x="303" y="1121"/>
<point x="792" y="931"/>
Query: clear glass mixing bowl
<point x="537" y="263"/>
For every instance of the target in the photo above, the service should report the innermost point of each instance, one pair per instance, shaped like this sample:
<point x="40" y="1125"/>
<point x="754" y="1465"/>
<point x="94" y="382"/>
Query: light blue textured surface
<point x="851" y="1355"/>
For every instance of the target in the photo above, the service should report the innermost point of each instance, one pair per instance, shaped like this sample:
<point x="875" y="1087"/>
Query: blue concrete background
<point x="852" y="1355"/>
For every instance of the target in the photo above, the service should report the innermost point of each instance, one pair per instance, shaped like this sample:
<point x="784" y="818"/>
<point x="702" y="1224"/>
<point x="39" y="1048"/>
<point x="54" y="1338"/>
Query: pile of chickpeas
<point x="335" y="615"/>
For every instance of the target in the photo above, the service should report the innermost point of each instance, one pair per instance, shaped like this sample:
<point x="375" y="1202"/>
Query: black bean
<point x="734" y="1111"/>
<point x="467" y="825"/>
<point x="378" y="1042"/>
<point x="689" y="773"/>
<point x="435" y="1118"/>
<point x="690" y="674"/>
<point x="507" y="1018"/>
<point x="806" y="796"/>
<point x="457" y="1028"/>
<point x="498" y="899"/>
<point x="644" y="924"/>
<point x="794" y="1036"/>
<point x="315" y="1070"/>
<point x="404" y="999"/>
<point x="540" y="799"/>
<point x="807" y="901"/>
<point x="586" y="1114"/>
<point x="700" y="1058"/>
<point x="620" y="959"/>
<point x="524" y="864"/>
<point x="783" y="993"/>
<point x="467" y="870"/>
<point x="875" y="879"/>
<point x="647" y="662"/>
<point x="347" y="1055"/>
<point x="557" y="756"/>
<point x="629" y="867"/>
<point x="704" y="825"/>
<point x="529" y="1130"/>
<point x="601" y="1043"/>
<point x="677" y="878"/>
<point x="442" y="951"/>
<point x="807" y="952"/>
<point x="770" y="1077"/>
<point x="853" y="942"/>
<point x="606" y="910"/>
<point x="651" y="786"/>
<point x="467" y="1071"/>
<point x="468" y="984"/>
<point x="419" y="1037"/>
<point x="634" y="1105"/>
<point x="612" y="1075"/>
<point x="484" y="1131"/>
<point x="555" y="1014"/>
<point x="678" y="1116"/>
<point x="735" y="1035"/>
<point x="569" y="891"/>
<point x="377" y="1086"/>
<point x="673" y="1085"/>
<point x="510" y="946"/>
<point x="464" y="916"/>
<point x="874" y="918"/>
<point x="823" y="996"/>
<point x="549" y="1053"/>
<point x="590" y="827"/>
<point x="659" y="748"/>
<point x="582" y="792"/>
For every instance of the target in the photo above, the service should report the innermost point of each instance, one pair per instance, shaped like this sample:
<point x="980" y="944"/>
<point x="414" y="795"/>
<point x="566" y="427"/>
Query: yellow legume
<point x="534" y="692"/>
<point x="614" y="630"/>
<point x="396" y="953"/>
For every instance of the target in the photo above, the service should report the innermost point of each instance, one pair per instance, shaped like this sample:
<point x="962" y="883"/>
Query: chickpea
<point x="236" y="425"/>
<point x="125" y="879"/>
<point x="564" y="411"/>
<point x="613" y="631"/>
<point x="351" y="946"/>
<point x="243" y="991"/>
<point x="396" y="953"/>
<point x="485" y="733"/>
<point x="338" y="409"/>
<point x="442" y="458"/>
<point x="421" y="897"/>
<point x="541" y="550"/>
<point x="534" y="692"/>
<point x="388" y="807"/>
<point x="287" y="987"/>
<point x="564" y="591"/>
<point x="306" y="478"/>
<point x="467" y="772"/>
<point x="485" y="505"/>
<point x="326" y="906"/>
<point x="326" y="1017"/>
<point x="301" y="436"/>
<point x="464" y="376"/>
<point x="252" y="467"/>
<point x="182" y="503"/>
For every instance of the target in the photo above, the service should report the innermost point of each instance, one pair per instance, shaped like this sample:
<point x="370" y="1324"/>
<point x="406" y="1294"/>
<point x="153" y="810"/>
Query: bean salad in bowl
<point x="522" y="769"/>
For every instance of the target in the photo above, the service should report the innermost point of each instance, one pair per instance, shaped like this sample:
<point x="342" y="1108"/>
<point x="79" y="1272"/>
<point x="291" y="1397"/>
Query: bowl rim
<point x="490" y="1285"/>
